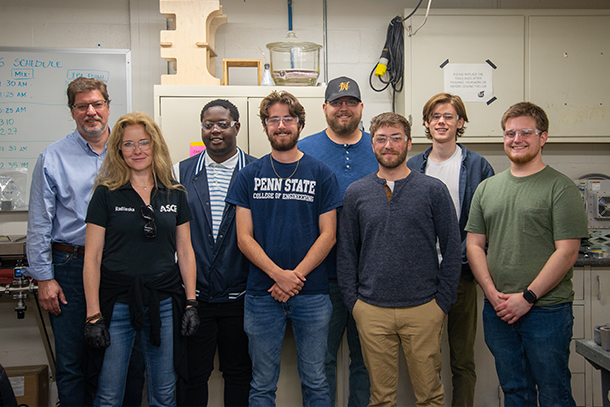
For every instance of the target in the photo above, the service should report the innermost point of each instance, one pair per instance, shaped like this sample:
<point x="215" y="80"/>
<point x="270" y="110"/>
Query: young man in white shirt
<point x="444" y="116"/>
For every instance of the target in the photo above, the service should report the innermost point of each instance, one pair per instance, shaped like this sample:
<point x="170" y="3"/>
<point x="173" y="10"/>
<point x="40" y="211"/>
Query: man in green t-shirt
<point x="531" y="219"/>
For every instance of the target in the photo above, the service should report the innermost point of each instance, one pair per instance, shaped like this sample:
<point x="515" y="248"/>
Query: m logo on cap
<point x="343" y="86"/>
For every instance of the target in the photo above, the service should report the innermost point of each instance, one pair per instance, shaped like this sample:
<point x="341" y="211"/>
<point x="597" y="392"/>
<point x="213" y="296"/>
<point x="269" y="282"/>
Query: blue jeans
<point x="265" y="324"/>
<point x="160" y="375"/>
<point x="534" y="351"/>
<point x="68" y="329"/>
<point x="342" y="319"/>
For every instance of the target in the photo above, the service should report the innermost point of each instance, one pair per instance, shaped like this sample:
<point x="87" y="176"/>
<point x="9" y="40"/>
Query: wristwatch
<point x="530" y="296"/>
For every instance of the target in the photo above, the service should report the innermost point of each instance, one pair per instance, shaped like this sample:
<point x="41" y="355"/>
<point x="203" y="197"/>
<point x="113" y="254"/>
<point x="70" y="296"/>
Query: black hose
<point x="395" y="48"/>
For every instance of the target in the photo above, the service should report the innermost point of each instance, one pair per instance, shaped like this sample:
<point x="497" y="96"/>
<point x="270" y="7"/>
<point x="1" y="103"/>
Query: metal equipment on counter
<point x="596" y="197"/>
<point x="596" y="194"/>
<point x="12" y="261"/>
<point x="14" y="283"/>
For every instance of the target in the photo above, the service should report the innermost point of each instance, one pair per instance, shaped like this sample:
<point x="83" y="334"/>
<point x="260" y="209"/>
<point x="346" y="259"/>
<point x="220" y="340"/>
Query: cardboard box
<point x="30" y="384"/>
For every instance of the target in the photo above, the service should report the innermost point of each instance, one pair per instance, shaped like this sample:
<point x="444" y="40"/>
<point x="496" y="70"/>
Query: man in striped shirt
<point x="222" y="270"/>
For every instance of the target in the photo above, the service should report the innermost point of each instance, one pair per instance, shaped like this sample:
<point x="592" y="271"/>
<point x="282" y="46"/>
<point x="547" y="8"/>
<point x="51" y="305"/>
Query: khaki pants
<point x="419" y="330"/>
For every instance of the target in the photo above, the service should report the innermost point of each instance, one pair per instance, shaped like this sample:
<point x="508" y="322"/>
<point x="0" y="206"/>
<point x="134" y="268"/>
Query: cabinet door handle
<point x="599" y="289"/>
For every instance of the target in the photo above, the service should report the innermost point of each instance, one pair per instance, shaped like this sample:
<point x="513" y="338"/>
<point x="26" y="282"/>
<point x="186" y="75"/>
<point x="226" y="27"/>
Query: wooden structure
<point x="190" y="46"/>
<point x="237" y="62"/>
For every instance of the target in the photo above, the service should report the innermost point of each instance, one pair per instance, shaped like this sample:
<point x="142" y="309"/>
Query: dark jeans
<point x="341" y="321"/>
<point x="462" y="332"/>
<point x="222" y="326"/>
<point x="532" y="355"/>
<point x="68" y="332"/>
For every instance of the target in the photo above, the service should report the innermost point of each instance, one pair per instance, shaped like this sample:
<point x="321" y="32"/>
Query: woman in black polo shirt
<point x="138" y="219"/>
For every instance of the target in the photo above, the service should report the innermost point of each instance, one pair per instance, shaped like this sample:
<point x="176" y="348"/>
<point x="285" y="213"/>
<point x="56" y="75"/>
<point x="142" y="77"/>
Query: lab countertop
<point x="591" y="261"/>
<point x="593" y="353"/>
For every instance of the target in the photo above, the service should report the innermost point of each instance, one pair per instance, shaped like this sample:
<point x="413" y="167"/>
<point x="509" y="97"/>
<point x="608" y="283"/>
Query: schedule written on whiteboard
<point x="34" y="108"/>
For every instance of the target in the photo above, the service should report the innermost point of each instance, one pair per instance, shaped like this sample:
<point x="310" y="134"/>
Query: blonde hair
<point x="114" y="172"/>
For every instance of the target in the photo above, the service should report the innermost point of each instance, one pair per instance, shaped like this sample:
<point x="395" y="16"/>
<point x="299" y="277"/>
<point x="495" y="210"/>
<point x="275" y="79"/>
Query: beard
<point x="343" y="129"/>
<point x="391" y="163"/>
<point x="283" y="145"/>
<point x="522" y="159"/>
<point x="94" y="131"/>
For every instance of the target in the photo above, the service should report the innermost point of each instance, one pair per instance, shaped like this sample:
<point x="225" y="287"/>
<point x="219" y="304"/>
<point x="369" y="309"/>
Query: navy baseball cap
<point x="341" y="87"/>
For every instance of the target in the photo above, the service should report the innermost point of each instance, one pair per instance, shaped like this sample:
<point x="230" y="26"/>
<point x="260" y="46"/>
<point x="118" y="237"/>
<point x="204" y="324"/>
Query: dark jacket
<point x="222" y="270"/>
<point x="475" y="169"/>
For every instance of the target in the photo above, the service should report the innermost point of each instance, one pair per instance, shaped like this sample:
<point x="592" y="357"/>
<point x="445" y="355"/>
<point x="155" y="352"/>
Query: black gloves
<point x="97" y="335"/>
<point x="190" y="321"/>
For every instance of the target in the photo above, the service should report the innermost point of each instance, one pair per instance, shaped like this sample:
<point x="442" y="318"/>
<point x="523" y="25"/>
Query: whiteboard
<point x="33" y="100"/>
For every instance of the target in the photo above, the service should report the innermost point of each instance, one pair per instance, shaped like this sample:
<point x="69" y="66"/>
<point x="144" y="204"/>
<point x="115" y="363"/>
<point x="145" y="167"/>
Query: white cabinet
<point x="578" y="365"/>
<point x="178" y="108"/>
<point x="600" y="314"/>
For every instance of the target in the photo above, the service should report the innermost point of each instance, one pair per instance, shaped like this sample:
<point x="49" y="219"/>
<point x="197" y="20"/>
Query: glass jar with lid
<point x="294" y="62"/>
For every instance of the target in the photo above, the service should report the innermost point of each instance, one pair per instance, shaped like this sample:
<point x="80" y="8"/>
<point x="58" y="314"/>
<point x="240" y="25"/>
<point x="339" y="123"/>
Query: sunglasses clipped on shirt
<point x="150" y="229"/>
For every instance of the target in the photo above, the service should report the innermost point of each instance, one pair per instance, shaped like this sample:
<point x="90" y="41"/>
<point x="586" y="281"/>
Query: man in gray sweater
<point x="391" y="277"/>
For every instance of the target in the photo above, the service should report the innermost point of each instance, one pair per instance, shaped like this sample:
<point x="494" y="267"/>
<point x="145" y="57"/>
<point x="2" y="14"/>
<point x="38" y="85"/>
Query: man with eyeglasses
<point x="286" y="225"/>
<point x="444" y="116"/>
<point x="347" y="151"/>
<point x="222" y="270"/>
<point x="524" y="234"/>
<point x="388" y="269"/>
<point x="61" y="187"/>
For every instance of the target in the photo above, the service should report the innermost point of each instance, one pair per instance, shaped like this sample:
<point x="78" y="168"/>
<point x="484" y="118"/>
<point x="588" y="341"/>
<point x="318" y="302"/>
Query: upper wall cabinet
<point x="569" y="68"/>
<point x="557" y="59"/>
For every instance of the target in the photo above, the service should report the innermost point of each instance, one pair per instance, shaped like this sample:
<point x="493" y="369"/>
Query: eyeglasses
<point x="150" y="229"/>
<point x="131" y="145"/>
<point x="97" y="105"/>
<point x="348" y="103"/>
<point x="394" y="139"/>
<point x="449" y="117"/>
<point x="275" y="121"/>
<point x="524" y="133"/>
<point x="221" y="125"/>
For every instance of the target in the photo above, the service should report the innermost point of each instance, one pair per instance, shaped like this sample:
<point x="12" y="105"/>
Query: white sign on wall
<point x="472" y="82"/>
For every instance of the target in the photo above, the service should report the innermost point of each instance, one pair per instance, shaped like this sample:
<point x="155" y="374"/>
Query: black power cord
<point x="392" y="57"/>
